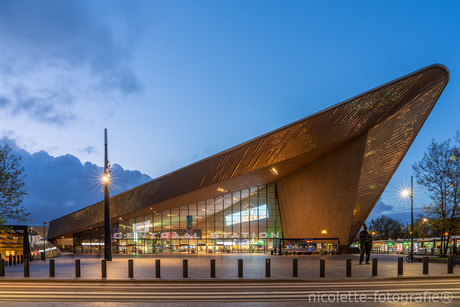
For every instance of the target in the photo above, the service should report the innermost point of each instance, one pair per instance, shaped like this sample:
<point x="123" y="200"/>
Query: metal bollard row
<point x="26" y="268"/>
<point x="295" y="267"/>
<point x="348" y="268"/>
<point x="213" y="268"/>
<point x="185" y="273"/>
<point x="104" y="268"/>
<point x="52" y="271"/>
<point x="240" y="268"/>
<point x="185" y="268"/>
<point x="450" y="264"/>
<point x="322" y="268"/>
<point x="425" y="265"/>
<point x="267" y="268"/>
<point x="157" y="268"/>
<point x="374" y="266"/>
<point x="400" y="265"/>
<point x="130" y="268"/>
<point x="77" y="268"/>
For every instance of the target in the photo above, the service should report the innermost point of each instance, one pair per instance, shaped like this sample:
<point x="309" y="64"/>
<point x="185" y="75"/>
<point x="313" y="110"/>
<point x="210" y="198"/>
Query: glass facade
<point x="26" y="242"/>
<point x="243" y="221"/>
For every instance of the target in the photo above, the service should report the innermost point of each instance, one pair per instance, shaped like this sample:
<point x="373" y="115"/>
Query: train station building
<point x="315" y="180"/>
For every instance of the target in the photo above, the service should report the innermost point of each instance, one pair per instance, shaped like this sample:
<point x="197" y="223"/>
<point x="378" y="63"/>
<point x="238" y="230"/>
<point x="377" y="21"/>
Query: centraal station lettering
<point x="175" y="235"/>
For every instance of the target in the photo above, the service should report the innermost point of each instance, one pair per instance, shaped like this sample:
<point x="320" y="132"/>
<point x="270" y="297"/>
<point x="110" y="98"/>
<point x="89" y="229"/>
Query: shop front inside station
<point x="247" y="221"/>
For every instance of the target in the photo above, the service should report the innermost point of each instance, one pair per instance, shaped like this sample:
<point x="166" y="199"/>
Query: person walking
<point x="365" y="240"/>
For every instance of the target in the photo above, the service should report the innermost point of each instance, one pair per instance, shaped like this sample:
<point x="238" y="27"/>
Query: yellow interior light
<point x="274" y="171"/>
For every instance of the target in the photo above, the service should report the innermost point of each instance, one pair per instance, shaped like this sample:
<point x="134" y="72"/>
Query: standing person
<point x="365" y="239"/>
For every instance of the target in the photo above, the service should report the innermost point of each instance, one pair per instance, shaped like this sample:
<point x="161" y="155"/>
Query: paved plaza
<point x="226" y="267"/>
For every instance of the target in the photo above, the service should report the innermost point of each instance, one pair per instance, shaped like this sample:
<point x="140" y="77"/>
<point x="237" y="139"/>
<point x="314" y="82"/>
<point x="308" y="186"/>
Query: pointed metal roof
<point x="391" y="115"/>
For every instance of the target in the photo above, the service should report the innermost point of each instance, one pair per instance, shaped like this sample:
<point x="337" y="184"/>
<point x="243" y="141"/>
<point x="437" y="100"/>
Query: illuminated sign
<point x="36" y="240"/>
<point x="142" y="226"/>
<point x="175" y="235"/>
<point x="253" y="214"/>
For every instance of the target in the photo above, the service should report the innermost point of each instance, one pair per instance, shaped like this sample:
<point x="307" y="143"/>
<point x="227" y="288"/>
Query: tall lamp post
<point x="44" y="241"/>
<point x="107" y="221"/>
<point x="406" y="193"/>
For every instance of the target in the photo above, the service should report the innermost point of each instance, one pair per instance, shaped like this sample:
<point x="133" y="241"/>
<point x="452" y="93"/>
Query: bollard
<point x="130" y="268"/>
<point x="450" y="264"/>
<point x="103" y="268"/>
<point x="213" y="268"/>
<point x="348" y="267"/>
<point x="267" y="267"/>
<point x="400" y="265"/>
<point x="18" y="259"/>
<point x="14" y="260"/>
<point x="157" y="268"/>
<point x="322" y="268"/>
<point x="77" y="268"/>
<point x="240" y="267"/>
<point x="2" y="267"/>
<point x="52" y="273"/>
<point x="10" y="260"/>
<point x="185" y="268"/>
<point x="295" y="267"/>
<point x="374" y="266"/>
<point x="425" y="265"/>
<point x="22" y="258"/>
<point x="26" y="268"/>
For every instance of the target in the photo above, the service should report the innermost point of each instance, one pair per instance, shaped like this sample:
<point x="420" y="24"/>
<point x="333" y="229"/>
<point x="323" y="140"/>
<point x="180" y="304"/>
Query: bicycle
<point x="409" y="258"/>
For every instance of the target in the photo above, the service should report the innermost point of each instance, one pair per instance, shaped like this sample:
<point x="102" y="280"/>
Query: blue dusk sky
<point x="177" y="81"/>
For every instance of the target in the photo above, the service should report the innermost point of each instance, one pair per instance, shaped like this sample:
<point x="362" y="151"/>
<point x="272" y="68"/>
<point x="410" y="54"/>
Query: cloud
<point x="4" y="102"/>
<point x="54" y="52"/>
<point x="381" y="207"/>
<point x="89" y="150"/>
<point x="44" y="106"/>
<point x="60" y="185"/>
<point x="398" y="213"/>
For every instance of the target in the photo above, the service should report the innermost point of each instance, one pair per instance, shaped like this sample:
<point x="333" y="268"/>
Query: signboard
<point x="253" y="214"/>
<point x="189" y="224"/>
<point x="142" y="226"/>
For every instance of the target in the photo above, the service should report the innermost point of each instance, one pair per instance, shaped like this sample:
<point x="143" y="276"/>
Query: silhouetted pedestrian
<point x="365" y="240"/>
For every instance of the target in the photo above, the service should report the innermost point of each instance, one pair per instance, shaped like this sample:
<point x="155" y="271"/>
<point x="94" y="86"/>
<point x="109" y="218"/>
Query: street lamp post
<point x="44" y="241"/>
<point x="412" y="218"/>
<point x="107" y="221"/>
<point x="410" y="194"/>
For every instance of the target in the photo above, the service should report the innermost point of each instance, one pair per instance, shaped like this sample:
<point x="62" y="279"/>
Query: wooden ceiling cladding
<point x="391" y="114"/>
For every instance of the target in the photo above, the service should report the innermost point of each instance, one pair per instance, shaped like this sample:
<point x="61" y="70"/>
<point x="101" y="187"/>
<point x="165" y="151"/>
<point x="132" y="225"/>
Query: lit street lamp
<point x="107" y="220"/>
<point x="406" y="193"/>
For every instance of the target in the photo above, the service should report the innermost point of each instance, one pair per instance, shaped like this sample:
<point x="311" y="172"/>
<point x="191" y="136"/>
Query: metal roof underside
<point x="391" y="115"/>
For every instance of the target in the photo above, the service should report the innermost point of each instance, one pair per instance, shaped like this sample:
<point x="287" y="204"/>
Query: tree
<point x="386" y="228"/>
<point x="438" y="172"/>
<point x="12" y="190"/>
<point x="422" y="228"/>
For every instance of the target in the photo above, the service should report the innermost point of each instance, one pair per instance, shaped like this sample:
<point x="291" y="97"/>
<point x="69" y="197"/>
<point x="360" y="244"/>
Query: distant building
<point x="317" y="178"/>
<point x="21" y="240"/>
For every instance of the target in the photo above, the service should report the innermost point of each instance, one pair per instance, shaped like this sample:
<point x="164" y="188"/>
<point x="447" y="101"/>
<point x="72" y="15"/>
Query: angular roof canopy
<point x="391" y="115"/>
